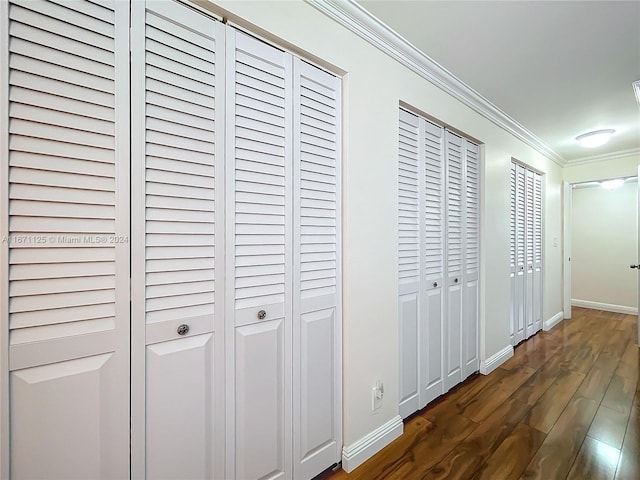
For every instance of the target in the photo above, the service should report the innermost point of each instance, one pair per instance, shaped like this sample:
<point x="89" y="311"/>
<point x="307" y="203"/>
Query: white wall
<point x="374" y="84"/>
<point x="604" y="243"/>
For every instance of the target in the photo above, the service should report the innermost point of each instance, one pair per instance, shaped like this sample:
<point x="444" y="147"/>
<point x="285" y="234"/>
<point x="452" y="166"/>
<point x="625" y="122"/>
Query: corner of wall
<point x="553" y="321"/>
<point x="357" y="453"/>
<point x="494" y="361"/>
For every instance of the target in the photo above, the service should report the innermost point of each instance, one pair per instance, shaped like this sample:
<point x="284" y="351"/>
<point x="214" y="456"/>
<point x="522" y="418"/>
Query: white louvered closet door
<point x="432" y="290"/>
<point x="528" y="240"/>
<point x="259" y="185"/>
<point x="521" y="229"/>
<point x="177" y="154"/>
<point x="68" y="252"/>
<point x="454" y="258"/>
<point x="470" y="294"/>
<point x="512" y="253"/>
<point x="317" y="440"/>
<point x="537" y="252"/>
<point x="409" y="253"/>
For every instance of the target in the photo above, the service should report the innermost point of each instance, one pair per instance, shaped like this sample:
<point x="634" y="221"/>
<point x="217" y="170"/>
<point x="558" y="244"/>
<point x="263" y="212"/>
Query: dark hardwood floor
<point x="565" y="406"/>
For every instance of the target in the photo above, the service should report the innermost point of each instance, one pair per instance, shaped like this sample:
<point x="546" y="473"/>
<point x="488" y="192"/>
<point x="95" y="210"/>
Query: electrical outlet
<point x="377" y="393"/>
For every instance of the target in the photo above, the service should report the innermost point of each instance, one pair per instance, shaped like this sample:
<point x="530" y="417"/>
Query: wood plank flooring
<point x="565" y="406"/>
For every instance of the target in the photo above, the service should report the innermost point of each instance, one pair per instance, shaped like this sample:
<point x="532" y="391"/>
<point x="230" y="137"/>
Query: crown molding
<point x="603" y="157"/>
<point x="359" y="21"/>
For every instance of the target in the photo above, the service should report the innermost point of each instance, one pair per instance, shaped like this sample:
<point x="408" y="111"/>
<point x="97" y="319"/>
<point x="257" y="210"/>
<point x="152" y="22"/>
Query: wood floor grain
<point x="565" y="406"/>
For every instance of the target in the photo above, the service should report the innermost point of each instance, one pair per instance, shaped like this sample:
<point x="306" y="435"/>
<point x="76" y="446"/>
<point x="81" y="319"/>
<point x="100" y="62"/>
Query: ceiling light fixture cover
<point x="595" y="138"/>
<point x="612" y="184"/>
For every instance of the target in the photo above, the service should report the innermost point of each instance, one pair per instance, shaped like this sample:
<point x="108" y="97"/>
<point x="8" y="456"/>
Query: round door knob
<point x="183" y="329"/>
<point x="435" y="284"/>
<point x="456" y="280"/>
<point x="262" y="315"/>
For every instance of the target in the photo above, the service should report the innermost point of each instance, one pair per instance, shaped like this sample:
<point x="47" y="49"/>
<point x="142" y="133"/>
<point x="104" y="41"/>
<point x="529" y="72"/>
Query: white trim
<point x="553" y="321"/>
<point x="359" y="21"/>
<point x="605" y="156"/>
<point x="494" y="361"/>
<point x="357" y="453"/>
<point x="607" y="307"/>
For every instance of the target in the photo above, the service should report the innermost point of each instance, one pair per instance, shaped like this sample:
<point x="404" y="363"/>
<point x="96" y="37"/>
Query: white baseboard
<point x="494" y="361"/>
<point x="356" y="454"/>
<point x="553" y="321"/>
<point x="607" y="307"/>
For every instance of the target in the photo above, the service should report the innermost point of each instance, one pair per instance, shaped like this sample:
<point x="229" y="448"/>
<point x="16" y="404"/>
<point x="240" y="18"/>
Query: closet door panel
<point x="431" y="352"/>
<point x="471" y="361"/>
<point x="67" y="245"/>
<point x="316" y="270"/>
<point x="529" y="249"/>
<point x="61" y="415"/>
<point x="259" y="257"/>
<point x="433" y="205"/>
<point x="178" y="63"/>
<point x="521" y="230"/>
<point x="259" y="401"/>
<point x="180" y="427"/>
<point x="512" y="255"/>
<point x="537" y="252"/>
<point x="454" y="259"/>
<point x="409" y="269"/>
<point x="409" y="353"/>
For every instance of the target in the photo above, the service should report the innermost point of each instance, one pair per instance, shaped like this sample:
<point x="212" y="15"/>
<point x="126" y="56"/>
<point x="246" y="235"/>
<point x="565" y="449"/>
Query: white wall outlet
<point x="377" y="393"/>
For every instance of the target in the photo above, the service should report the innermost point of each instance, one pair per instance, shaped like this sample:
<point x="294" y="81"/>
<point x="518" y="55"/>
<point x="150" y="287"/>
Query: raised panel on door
<point x="454" y="258"/>
<point x="260" y="426"/>
<point x="259" y="258"/>
<point x="409" y="350"/>
<point x="63" y="424"/>
<point x="513" y="310"/>
<point x="521" y="230"/>
<point x="471" y="266"/>
<point x="432" y="288"/>
<point x="180" y="421"/>
<point x="178" y="71"/>
<point x="68" y="252"/>
<point x="537" y="252"/>
<point x="529" y="250"/>
<point x="409" y="253"/>
<point x="316" y="330"/>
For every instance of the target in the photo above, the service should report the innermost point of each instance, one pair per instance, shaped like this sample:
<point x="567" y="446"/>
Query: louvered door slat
<point x="68" y="254"/>
<point x="434" y="203"/>
<point x="170" y="175"/>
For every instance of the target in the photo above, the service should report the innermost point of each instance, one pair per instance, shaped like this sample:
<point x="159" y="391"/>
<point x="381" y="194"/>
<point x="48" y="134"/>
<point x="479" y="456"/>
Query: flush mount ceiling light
<point x="596" y="138"/>
<point x="612" y="184"/>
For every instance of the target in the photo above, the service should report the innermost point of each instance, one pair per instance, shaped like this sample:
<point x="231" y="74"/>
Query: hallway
<point x="566" y="406"/>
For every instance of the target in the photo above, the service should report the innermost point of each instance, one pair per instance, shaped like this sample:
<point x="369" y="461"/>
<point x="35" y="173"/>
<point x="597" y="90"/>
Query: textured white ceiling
<point x="559" y="68"/>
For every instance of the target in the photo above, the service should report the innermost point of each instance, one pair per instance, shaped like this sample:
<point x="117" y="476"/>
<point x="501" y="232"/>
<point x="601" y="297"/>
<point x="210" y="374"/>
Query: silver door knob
<point x="261" y="315"/>
<point x="634" y="266"/>
<point x="183" y="329"/>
